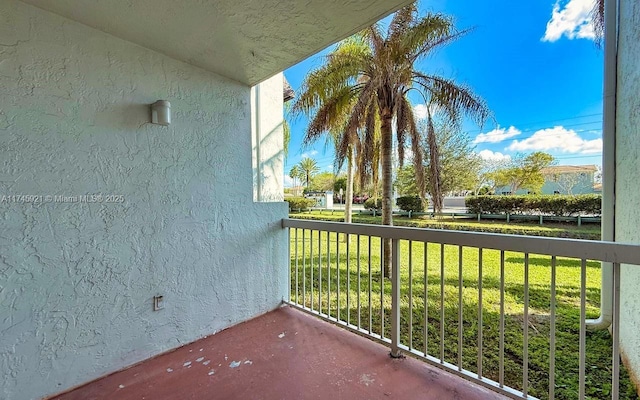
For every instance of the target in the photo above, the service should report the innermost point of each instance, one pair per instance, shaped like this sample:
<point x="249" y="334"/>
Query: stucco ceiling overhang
<point x="245" y="40"/>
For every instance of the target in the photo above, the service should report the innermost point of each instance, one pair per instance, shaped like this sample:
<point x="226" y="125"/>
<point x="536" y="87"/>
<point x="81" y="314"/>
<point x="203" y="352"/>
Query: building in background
<point x="569" y="179"/>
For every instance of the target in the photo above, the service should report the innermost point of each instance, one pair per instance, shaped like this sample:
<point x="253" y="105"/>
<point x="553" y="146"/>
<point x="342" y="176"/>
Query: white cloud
<point x="309" y="154"/>
<point x="288" y="182"/>
<point x="420" y="111"/>
<point x="497" y="135"/>
<point x="494" y="156"/>
<point x="559" y="139"/>
<point x="572" y="20"/>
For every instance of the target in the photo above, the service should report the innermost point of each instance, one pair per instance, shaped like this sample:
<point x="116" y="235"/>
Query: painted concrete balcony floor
<point x="284" y="354"/>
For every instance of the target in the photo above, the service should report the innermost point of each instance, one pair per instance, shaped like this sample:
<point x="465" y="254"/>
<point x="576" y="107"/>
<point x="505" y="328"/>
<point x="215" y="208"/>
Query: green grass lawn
<point x="365" y="286"/>
<point x="549" y="229"/>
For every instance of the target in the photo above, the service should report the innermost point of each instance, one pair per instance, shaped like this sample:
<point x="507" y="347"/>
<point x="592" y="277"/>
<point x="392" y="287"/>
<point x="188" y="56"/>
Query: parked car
<point x="361" y="198"/>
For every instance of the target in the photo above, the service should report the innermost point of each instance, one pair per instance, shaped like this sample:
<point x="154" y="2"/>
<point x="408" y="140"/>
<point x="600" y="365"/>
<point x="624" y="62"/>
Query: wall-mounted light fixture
<point x="161" y="113"/>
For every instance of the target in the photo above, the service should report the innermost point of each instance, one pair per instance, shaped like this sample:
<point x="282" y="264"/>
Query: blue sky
<point x="534" y="62"/>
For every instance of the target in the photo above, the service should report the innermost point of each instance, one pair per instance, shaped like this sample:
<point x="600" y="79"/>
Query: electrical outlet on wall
<point x="158" y="303"/>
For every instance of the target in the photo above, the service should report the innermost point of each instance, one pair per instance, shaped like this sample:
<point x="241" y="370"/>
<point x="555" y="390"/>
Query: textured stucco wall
<point x="266" y="133"/>
<point x="77" y="280"/>
<point x="627" y="172"/>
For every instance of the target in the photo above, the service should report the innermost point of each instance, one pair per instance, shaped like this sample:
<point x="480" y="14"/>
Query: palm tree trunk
<point x="434" y="165"/>
<point x="349" y="200"/>
<point x="387" y="186"/>
<point x="349" y="193"/>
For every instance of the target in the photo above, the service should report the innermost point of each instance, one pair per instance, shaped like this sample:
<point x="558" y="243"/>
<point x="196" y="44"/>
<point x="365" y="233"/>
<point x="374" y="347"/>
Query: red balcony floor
<point x="284" y="354"/>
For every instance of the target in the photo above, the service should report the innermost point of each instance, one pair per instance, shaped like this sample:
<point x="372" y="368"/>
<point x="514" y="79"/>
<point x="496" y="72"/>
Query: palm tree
<point x="597" y="19"/>
<point x="295" y="173"/>
<point x="354" y="151"/>
<point x="308" y="167"/>
<point x="370" y="75"/>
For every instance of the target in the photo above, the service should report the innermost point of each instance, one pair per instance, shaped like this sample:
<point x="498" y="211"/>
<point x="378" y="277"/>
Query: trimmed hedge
<point x="299" y="203"/>
<point x="410" y="203"/>
<point x="490" y="227"/>
<point x="558" y="205"/>
<point x="373" y="204"/>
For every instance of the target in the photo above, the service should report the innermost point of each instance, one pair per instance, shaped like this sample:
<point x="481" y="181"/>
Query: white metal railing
<point x="336" y="273"/>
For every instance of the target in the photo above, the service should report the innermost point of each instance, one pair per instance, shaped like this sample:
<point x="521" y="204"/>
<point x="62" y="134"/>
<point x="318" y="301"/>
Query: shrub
<point x="586" y="204"/>
<point x="410" y="203"/>
<point x="373" y="204"/>
<point x="558" y="205"/>
<point x="299" y="203"/>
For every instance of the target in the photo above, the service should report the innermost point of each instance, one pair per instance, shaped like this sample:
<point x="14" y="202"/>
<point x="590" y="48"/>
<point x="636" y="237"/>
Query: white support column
<point x="608" y="161"/>
<point x="267" y="140"/>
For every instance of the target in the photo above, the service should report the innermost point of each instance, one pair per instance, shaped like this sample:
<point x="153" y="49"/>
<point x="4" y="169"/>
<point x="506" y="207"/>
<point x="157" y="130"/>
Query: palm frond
<point x="456" y="99"/>
<point x="286" y="128"/>
<point x="402" y="21"/>
<point x="416" y="146"/>
<point x="374" y="37"/>
<point x="330" y="114"/>
<point x="369" y="142"/>
<point x="286" y="136"/>
<point x="597" y="20"/>
<point x="402" y="125"/>
<point x="342" y="68"/>
<point x="428" y="48"/>
<point x="354" y="122"/>
<point x="426" y="34"/>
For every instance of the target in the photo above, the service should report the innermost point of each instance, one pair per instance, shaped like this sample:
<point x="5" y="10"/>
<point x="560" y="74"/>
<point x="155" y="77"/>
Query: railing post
<point x="395" y="299"/>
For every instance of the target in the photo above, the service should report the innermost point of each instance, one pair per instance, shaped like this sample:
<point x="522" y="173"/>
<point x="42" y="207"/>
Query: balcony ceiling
<point x="245" y="40"/>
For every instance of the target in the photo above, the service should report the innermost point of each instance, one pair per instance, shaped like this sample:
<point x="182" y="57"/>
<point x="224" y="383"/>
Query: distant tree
<point x="566" y="182"/>
<point x="309" y="168"/>
<point x="487" y="182"/>
<point x="323" y="181"/>
<point x="525" y="172"/>
<point x="340" y="183"/>
<point x="405" y="182"/>
<point x="459" y="165"/>
<point x="597" y="177"/>
<point x="296" y="175"/>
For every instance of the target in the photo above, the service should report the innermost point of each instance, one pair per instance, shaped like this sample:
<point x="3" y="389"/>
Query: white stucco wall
<point x="77" y="279"/>
<point x="627" y="222"/>
<point x="266" y="132"/>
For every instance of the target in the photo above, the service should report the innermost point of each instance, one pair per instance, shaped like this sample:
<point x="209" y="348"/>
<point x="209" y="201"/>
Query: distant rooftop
<point x="566" y="169"/>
